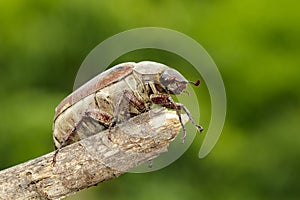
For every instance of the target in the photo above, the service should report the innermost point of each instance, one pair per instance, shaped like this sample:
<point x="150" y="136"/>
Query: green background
<point x="255" y="44"/>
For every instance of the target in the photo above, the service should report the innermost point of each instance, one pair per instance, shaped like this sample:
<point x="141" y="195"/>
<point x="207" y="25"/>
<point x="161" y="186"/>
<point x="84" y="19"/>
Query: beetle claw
<point x="184" y="133"/>
<point x="200" y="128"/>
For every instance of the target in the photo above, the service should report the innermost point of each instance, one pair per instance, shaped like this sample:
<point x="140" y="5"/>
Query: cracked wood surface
<point x="88" y="162"/>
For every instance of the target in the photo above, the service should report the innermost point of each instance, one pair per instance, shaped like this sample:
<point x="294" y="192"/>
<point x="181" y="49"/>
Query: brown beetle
<point x="127" y="89"/>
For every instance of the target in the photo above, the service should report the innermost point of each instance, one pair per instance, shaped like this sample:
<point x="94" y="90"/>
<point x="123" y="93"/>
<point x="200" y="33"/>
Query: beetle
<point x="123" y="91"/>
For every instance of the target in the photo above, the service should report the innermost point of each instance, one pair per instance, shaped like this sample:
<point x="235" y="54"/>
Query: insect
<point x="123" y="91"/>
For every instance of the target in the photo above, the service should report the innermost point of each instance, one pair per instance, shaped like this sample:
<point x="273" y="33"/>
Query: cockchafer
<point x="123" y="91"/>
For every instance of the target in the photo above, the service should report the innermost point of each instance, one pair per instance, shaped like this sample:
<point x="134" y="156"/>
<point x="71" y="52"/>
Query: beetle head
<point x="173" y="81"/>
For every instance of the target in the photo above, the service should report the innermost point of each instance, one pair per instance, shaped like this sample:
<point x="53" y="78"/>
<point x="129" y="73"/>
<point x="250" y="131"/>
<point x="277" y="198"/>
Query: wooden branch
<point x="98" y="158"/>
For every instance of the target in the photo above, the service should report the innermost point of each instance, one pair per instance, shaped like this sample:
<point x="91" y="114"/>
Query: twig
<point x="98" y="158"/>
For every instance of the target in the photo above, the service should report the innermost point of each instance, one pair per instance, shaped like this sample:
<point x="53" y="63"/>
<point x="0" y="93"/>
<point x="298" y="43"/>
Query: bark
<point x="88" y="162"/>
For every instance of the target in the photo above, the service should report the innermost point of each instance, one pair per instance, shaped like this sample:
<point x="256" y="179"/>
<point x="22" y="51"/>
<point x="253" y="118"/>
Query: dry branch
<point x="101" y="157"/>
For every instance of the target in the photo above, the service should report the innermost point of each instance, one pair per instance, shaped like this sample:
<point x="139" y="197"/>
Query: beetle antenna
<point x="195" y="83"/>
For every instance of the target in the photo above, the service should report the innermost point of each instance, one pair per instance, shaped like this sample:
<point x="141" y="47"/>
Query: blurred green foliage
<point x="255" y="44"/>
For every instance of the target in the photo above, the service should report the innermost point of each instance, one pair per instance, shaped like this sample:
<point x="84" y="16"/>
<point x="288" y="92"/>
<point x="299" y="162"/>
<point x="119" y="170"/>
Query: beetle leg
<point x="200" y="128"/>
<point x="65" y="140"/>
<point x="133" y="100"/>
<point x="93" y="114"/>
<point x="99" y="116"/>
<point x="167" y="102"/>
<point x="116" y="112"/>
<point x="174" y="105"/>
<point x="153" y="88"/>
<point x="150" y="163"/>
